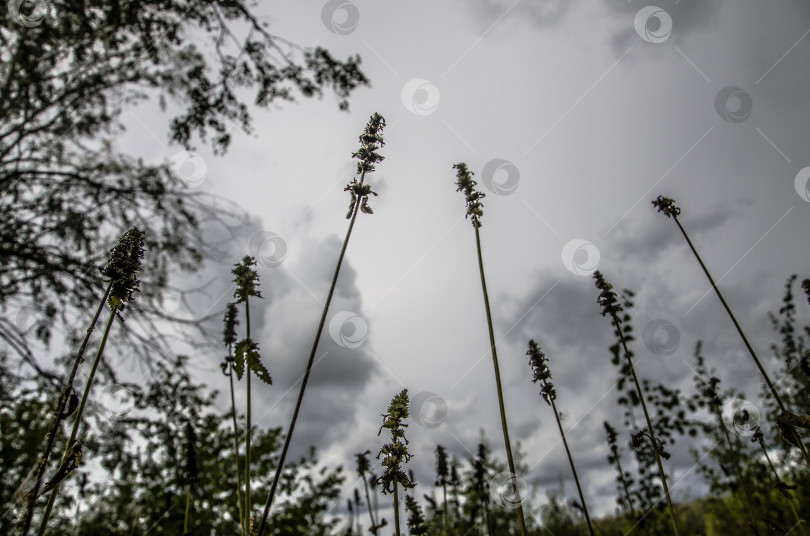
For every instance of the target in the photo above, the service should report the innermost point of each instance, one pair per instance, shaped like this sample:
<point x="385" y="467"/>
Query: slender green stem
<point x="744" y="339"/>
<point x="444" y="505"/>
<point x="738" y="470"/>
<point x="236" y="449"/>
<point x="308" y="369"/>
<point x="248" y="425"/>
<point x="650" y="429"/>
<point x="57" y="419"/>
<point x="785" y="494"/>
<point x="396" y="507"/>
<point x="509" y="458"/>
<point x="78" y="421"/>
<point x="187" y="519"/>
<point x="373" y="528"/>
<point x="626" y="488"/>
<point x="573" y="469"/>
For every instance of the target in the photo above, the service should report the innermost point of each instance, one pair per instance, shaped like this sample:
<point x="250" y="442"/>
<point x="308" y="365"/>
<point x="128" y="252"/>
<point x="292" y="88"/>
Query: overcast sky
<point x="573" y="115"/>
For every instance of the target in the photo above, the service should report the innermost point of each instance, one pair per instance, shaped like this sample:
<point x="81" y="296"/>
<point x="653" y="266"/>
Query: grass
<point x="371" y="141"/>
<point x="122" y="269"/>
<point x="610" y="306"/>
<point x="473" y="197"/>
<point x="471" y="508"/>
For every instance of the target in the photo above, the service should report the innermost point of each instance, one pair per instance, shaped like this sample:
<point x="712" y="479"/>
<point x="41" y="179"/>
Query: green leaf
<point x="243" y="348"/>
<point x="255" y="364"/>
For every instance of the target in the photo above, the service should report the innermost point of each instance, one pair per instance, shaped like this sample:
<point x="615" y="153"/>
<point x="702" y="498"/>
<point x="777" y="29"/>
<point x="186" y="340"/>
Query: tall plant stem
<point x="744" y="339"/>
<point x="248" y="425"/>
<point x="78" y="421"/>
<point x="787" y="496"/>
<point x="626" y="488"/>
<point x="396" y="508"/>
<point x="509" y="458"/>
<point x="308" y="370"/>
<point x="650" y="430"/>
<point x="573" y="469"/>
<point x="373" y="528"/>
<point x="57" y="419"/>
<point x="236" y="450"/>
<point x="444" y="505"/>
<point x="738" y="470"/>
<point x="187" y="519"/>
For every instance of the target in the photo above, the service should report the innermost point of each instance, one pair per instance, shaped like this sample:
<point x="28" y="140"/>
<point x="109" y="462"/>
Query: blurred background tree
<point x="66" y="70"/>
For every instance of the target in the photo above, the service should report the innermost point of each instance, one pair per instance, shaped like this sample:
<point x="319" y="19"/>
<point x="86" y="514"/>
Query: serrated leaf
<point x="255" y="364"/>
<point x="243" y="348"/>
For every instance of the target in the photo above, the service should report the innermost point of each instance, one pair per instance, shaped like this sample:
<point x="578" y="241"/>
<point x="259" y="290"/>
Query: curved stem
<point x="78" y="421"/>
<point x="573" y="469"/>
<point x="57" y="420"/>
<point x="308" y="369"/>
<point x="650" y="430"/>
<point x="504" y="426"/>
<point x="745" y="340"/>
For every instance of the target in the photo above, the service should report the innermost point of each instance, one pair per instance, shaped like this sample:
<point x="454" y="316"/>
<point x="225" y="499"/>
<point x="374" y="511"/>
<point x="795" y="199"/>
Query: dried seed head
<point x="466" y="184"/>
<point x="122" y="269"/>
<point x="192" y="471"/>
<point x="231" y="321"/>
<point x="667" y="206"/>
<point x="246" y="279"/>
<point x="363" y="465"/>
<point x="394" y="454"/>
<point x="607" y="298"/>
<point x="541" y="372"/>
<point x="370" y="142"/>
